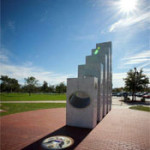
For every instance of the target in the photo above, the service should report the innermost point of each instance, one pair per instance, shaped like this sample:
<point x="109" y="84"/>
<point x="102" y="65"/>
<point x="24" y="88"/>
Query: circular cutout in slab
<point x="57" y="142"/>
<point x="79" y="99"/>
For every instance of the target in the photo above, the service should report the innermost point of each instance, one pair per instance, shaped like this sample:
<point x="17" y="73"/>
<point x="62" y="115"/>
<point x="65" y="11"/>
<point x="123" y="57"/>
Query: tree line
<point x="136" y="81"/>
<point x="31" y="85"/>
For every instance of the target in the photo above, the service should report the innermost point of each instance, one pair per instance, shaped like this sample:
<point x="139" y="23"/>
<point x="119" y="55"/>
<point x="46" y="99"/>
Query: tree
<point x="44" y="87"/>
<point x="9" y="84"/>
<point x="51" y="89"/>
<point x="4" y="83"/>
<point x="118" y="89"/>
<point x="136" y="81"/>
<point x="30" y="84"/>
<point x="61" y="88"/>
<point x="14" y="85"/>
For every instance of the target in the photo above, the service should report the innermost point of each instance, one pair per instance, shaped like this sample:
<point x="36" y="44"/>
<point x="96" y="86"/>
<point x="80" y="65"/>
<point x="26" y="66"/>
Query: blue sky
<point x="48" y="39"/>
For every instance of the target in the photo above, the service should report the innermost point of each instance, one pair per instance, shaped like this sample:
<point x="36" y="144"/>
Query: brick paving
<point x="21" y="129"/>
<point x="121" y="129"/>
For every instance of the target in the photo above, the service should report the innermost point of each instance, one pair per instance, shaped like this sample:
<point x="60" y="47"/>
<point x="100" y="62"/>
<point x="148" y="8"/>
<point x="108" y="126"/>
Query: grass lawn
<point x="142" y="108"/>
<point x="16" y="108"/>
<point x="33" y="97"/>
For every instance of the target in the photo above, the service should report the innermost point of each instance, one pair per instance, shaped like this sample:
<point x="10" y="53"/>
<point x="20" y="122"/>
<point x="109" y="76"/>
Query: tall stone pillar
<point x="99" y="66"/>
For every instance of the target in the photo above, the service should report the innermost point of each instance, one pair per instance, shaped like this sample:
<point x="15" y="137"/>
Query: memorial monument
<point x="89" y="95"/>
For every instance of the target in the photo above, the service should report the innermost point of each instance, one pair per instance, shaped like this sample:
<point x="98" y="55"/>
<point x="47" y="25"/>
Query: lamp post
<point x="135" y="82"/>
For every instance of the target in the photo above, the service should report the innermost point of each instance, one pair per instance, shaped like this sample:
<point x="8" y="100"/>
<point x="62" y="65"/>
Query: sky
<point x="48" y="39"/>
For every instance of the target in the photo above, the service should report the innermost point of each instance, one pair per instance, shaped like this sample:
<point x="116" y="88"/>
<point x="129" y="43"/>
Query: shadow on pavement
<point x="78" y="134"/>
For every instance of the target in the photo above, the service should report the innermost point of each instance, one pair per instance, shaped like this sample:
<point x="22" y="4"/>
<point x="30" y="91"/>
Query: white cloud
<point x="135" y="20"/>
<point x="115" y="25"/>
<point x="27" y="69"/>
<point x="21" y="72"/>
<point x="142" y="57"/>
<point x="143" y="54"/>
<point x="118" y="79"/>
<point x="147" y="70"/>
<point x="4" y="54"/>
<point x="139" y="60"/>
<point x="147" y="64"/>
<point x="3" y="57"/>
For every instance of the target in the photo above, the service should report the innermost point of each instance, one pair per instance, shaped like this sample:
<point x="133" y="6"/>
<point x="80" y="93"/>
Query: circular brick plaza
<point x="121" y="129"/>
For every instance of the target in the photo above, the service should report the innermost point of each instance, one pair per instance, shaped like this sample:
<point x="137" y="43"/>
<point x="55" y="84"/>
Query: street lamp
<point x="136" y="73"/>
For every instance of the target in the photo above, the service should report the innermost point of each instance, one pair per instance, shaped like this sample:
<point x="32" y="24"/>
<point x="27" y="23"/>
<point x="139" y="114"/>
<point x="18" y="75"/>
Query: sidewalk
<point x="121" y="129"/>
<point x="48" y="101"/>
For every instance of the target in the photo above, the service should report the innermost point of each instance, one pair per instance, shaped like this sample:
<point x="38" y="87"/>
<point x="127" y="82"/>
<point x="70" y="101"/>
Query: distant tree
<point x="30" y="84"/>
<point x="14" y="85"/>
<point x="44" y="87"/>
<point x="4" y="83"/>
<point x="118" y="89"/>
<point x="9" y="84"/>
<point x="61" y="88"/>
<point x="51" y="89"/>
<point x="136" y="81"/>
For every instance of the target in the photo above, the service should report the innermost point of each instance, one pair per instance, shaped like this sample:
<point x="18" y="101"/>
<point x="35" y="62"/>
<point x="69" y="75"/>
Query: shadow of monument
<point x="78" y="134"/>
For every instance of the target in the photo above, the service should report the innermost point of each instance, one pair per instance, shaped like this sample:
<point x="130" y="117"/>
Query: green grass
<point x="142" y="108"/>
<point x="33" y="97"/>
<point x="16" y="108"/>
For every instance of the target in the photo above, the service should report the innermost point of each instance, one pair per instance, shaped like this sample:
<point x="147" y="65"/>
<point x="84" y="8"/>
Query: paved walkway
<point x="121" y="129"/>
<point x="48" y="101"/>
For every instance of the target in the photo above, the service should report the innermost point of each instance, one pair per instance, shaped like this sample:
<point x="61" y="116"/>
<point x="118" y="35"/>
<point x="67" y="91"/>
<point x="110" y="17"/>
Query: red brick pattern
<point x="21" y="129"/>
<point x="121" y="129"/>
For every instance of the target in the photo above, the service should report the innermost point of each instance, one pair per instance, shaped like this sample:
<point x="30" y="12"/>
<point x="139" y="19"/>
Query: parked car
<point x="146" y="95"/>
<point x="114" y="94"/>
<point x="122" y="94"/>
<point x="119" y="94"/>
<point x="129" y="94"/>
<point x="138" y="94"/>
<point x="142" y="94"/>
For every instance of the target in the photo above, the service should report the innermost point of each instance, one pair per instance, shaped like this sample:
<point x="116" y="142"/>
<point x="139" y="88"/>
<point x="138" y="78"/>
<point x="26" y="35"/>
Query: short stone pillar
<point x="82" y="102"/>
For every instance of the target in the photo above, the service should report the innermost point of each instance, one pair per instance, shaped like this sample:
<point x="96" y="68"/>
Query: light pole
<point x="135" y="82"/>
